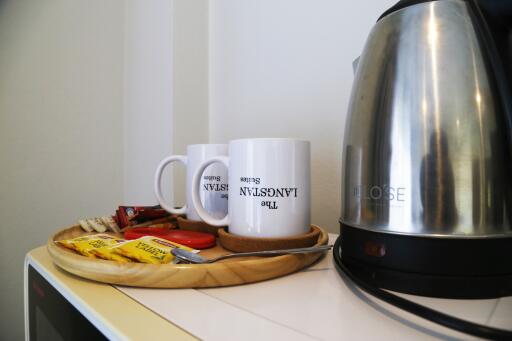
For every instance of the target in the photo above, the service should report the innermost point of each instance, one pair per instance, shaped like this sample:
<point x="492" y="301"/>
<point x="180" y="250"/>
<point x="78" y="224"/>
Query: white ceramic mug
<point x="214" y="187"/>
<point x="269" y="188"/>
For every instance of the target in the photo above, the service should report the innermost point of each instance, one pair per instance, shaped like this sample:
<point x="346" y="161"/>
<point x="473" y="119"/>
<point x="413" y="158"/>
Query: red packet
<point x="133" y="215"/>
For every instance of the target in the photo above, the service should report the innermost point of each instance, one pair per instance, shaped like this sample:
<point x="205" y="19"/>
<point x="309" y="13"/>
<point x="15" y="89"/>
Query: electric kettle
<point x="427" y="152"/>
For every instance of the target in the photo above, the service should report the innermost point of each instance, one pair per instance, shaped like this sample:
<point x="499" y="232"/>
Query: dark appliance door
<point x="52" y="317"/>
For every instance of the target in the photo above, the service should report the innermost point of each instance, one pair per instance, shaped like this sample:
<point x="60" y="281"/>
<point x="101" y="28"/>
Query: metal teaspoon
<point x="190" y="257"/>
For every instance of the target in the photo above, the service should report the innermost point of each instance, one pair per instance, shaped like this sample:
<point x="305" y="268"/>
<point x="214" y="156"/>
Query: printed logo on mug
<point x="269" y="188"/>
<point x="213" y="191"/>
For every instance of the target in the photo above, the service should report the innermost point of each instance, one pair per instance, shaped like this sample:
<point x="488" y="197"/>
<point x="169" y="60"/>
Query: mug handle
<point x="158" y="183"/>
<point x="196" y="197"/>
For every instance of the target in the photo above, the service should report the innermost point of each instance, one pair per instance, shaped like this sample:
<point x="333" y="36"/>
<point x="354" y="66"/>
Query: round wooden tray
<point x="223" y="273"/>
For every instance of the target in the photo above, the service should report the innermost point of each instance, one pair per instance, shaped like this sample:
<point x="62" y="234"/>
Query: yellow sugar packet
<point x="149" y="249"/>
<point x="70" y="243"/>
<point x="108" y="253"/>
<point x="85" y="244"/>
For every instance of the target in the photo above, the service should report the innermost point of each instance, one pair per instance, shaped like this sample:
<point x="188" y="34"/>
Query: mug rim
<point x="207" y="144"/>
<point x="269" y="139"/>
<point x="221" y="148"/>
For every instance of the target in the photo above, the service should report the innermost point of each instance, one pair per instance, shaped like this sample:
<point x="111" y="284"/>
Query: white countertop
<point x="313" y="304"/>
<point x="116" y="315"/>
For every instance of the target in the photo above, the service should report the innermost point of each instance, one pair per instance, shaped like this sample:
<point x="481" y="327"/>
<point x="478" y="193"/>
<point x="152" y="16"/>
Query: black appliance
<point x="52" y="317"/>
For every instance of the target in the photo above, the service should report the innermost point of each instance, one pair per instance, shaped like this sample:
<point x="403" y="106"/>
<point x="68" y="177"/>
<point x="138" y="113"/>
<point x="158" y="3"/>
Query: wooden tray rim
<point x="65" y="258"/>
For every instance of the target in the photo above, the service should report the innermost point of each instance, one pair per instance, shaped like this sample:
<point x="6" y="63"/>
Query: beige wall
<point x="61" y="116"/>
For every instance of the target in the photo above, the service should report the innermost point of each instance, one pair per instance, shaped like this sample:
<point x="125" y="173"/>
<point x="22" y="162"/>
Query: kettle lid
<point x="402" y="4"/>
<point x="495" y="8"/>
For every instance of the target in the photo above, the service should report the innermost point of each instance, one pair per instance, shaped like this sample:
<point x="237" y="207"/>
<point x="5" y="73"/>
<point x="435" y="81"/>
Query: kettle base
<point x="427" y="266"/>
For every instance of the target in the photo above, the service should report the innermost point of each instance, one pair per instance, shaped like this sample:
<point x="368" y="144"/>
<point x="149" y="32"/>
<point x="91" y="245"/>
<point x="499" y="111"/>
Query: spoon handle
<point x="275" y="252"/>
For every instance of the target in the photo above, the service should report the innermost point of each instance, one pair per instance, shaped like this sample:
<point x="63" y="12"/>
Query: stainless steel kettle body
<point x="427" y="157"/>
<point x="425" y="149"/>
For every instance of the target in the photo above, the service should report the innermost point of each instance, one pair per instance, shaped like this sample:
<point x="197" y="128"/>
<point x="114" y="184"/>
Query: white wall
<point x="79" y="77"/>
<point x="283" y="68"/>
<point x="190" y="83"/>
<point x="148" y="89"/>
<point x="86" y="108"/>
<point x="61" y="137"/>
